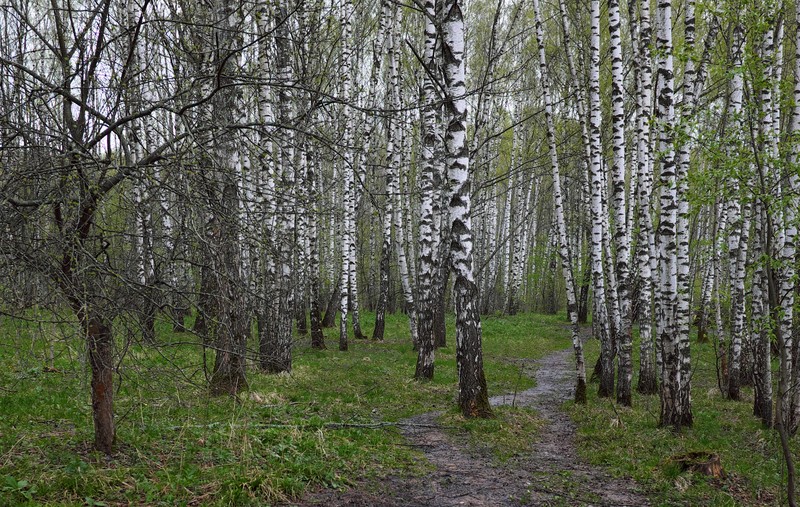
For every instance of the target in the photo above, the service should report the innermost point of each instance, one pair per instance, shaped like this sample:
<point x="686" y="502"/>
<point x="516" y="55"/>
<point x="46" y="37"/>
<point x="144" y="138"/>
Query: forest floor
<point x="551" y="474"/>
<point x="355" y="429"/>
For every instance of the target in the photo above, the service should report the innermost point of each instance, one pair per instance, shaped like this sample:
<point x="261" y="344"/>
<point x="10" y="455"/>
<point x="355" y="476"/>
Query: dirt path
<point x="552" y="474"/>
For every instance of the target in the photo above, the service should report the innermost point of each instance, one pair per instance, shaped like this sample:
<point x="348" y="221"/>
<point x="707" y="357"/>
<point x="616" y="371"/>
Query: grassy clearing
<point x="178" y="446"/>
<point x="629" y="442"/>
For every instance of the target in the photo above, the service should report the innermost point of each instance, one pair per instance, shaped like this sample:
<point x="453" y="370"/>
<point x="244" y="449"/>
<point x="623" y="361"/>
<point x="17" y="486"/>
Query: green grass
<point x="629" y="442"/>
<point x="179" y="446"/>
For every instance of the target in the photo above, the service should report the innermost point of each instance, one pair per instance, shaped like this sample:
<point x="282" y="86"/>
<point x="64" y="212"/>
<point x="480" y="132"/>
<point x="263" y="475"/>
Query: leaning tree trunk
<point x="473" y="397"/>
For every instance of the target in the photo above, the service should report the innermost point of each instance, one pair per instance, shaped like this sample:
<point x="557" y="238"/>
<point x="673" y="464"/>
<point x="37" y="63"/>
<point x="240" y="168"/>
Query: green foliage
<point x="17" y="488"/>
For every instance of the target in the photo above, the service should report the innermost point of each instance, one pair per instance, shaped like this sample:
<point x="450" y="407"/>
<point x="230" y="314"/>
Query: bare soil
<point x="551" y="474"/>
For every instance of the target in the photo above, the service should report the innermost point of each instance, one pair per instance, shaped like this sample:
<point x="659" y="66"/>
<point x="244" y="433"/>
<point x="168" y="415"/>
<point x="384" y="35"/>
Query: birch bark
<point x="563" y="242"/>
<point x="429" y="206"/>
<point x="472" y="397"/>
<point x="621" y="234"/>
<point x="675" y="404"/>
<point x="597" y="211"/>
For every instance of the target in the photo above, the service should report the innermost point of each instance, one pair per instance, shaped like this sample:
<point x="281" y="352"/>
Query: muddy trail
<point x="551" y="474"/>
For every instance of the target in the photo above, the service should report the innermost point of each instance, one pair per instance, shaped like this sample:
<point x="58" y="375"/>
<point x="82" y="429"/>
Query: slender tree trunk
<point x="329" y="319"/>
<point x="642" y="39"/>
<point x="317" y="337"/>
<point x="622" y="238"/>
<point x="597" y="210"/>
<point x="280" y="356"/>
<point x="403" y="264"/>
<point x="386" y="247"/>
<point x="440" y="305"/>
<point x="383" y="295"/>
<point x="738" y="328"/>
<point x="566" y="260"/>
<point x="348" y="287"/>
<point x="587" y="161"/>
<point x="762" y="367"/>
<point x="429" y="207"/>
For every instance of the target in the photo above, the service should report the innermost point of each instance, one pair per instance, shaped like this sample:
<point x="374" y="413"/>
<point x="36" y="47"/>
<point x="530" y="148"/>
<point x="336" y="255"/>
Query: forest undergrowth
<point x="330" y="422"/>
<point x="628" y="441"/>
<point x="322" y="425"/>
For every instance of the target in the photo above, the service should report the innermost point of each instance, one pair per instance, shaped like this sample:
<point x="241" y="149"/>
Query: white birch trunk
<point x="429" y="202"/>
<point x="675" y="403"/>
<point x="622" y="238"/>
<point x="737" y="307"/>
<point x="563" y="243"/>
<point x="600" y="316"/>
<point x="472" y="397"/>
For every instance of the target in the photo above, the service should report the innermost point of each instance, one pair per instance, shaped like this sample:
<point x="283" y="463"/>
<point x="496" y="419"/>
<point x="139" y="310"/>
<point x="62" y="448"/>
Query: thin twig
<point x="331" y="426"/>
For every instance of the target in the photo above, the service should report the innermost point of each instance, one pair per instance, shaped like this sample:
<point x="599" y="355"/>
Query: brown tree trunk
<point x="179" y="320"/>
<point x="302" y="322"/>
<point x="317" y="337"/>
<point x="148" y="318"/>
<point x="440" y="306"/>
<point x="583" y="298"/>
<point x="100" y="348"/>
<point x="329" y="320"/>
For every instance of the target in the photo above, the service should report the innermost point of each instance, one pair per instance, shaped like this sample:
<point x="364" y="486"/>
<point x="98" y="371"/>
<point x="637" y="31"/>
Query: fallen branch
<point x="330" y="426"/>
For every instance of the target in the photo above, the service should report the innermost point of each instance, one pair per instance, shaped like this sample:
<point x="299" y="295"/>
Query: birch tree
<point x="472" y="395"/>
<point x="644" y="166"/>
<point x="563" y="247"/>
<point x="429" y="206"/>
<point x="675" y="402"/>
<point x="600" y="314"/>
<point x="621" y="234"/>
<point x="349" y="286"/>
